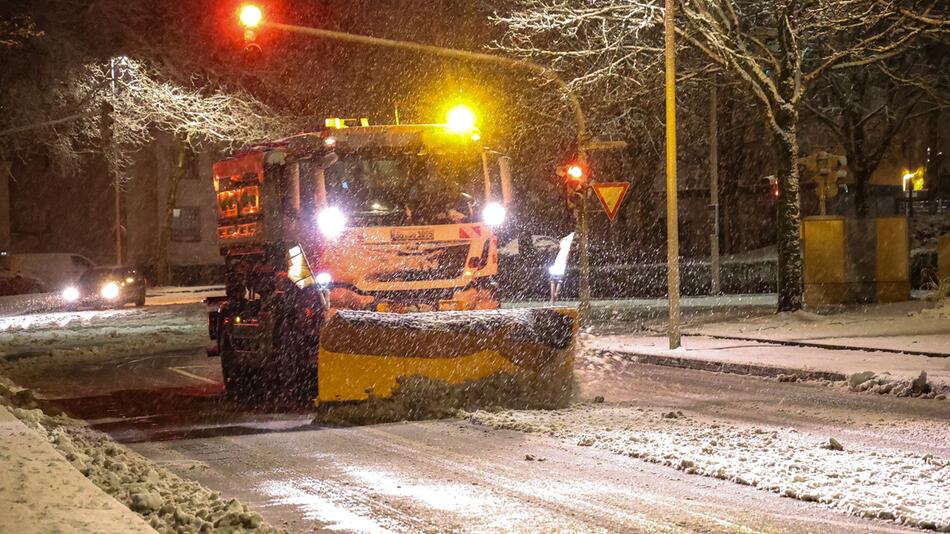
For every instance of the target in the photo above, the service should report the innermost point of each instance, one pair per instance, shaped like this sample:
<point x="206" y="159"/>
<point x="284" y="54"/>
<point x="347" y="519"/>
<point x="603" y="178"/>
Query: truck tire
<point x="238" y="380"/>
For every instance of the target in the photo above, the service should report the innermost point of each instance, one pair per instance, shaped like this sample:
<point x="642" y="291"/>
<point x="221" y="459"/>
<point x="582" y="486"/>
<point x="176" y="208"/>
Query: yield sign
<point x="611" y="194"/>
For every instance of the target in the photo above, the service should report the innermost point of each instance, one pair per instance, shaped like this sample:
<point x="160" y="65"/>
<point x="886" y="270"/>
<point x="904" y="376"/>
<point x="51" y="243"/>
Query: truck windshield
<point x="399" y="189"/>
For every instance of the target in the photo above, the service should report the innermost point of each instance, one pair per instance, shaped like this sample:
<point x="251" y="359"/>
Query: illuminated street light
<point x="461" y="119"/>
<point x="250" y="16"/>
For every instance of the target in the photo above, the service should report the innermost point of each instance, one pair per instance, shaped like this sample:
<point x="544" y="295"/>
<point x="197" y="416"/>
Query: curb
<point x="722" y="367"/>
<point x="827" y="346"/>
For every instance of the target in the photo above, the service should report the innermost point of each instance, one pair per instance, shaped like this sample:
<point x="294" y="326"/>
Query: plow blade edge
<point x="365" y="354"/>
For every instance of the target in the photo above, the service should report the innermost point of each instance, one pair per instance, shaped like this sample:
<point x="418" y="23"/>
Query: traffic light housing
<point x="575" y="175"/>
<point x="250" y="17"/>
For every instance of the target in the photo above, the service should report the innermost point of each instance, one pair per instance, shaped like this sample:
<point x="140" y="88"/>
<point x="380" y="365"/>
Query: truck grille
<point x="445" y="263"/>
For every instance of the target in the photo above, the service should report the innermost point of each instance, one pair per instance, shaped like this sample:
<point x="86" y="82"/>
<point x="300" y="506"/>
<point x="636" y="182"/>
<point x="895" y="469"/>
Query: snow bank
<point x="69" y="336"/>
<point x="165" y="295"/>
<point x="167" y="502"/>
<point x="910" y="489"/>
<point x="30" y="467"/>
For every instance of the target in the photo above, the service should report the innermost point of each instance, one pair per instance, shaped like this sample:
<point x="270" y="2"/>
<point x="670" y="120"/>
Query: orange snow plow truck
<point x="359" y="256"/>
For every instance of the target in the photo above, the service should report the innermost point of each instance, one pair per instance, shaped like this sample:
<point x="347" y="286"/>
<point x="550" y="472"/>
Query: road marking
<point x="182" y="372"/>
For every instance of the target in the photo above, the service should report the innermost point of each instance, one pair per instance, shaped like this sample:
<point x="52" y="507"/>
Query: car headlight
<point x="70" y="294"/>
<point x="331" y="222"/>
<point x="493" y="214"/>
<point x="109" y="291"/>
<point x="324" y="279"/>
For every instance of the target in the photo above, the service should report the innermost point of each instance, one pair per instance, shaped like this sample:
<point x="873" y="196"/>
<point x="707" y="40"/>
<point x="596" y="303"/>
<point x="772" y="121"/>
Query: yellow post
<point x="892" y="259"/>
<point x="672" y="224"/>
<point x="826" y="267"/>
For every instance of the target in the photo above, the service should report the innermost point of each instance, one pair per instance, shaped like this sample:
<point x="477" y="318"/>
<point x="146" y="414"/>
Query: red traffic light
<point x="575" y="174"/>
<point x="250" y="16"/>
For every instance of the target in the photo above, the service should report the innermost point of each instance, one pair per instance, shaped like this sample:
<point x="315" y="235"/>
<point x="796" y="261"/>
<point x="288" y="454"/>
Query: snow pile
<point x="64" y="336"/>
<point x="164" y="295"/>
<point x="885" y="383"/>
<point x="168" y="503"/>
<point x="907" y="488"/>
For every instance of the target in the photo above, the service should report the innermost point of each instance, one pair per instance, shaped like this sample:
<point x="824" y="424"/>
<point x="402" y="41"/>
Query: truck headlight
<point x="331" y="222"/>
<point x="323" y="280"/>
<point x="70" y="294"/>
<point x="109" y="291"/>
<point x="493" y="214"/>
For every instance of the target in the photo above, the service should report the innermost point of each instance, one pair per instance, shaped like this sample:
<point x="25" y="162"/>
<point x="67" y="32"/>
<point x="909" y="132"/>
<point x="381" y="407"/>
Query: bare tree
<point x="867" y="109"/>
<point x="116" y="108"/>
<point x="776" y="50"/>
<point x="198" y="118"/>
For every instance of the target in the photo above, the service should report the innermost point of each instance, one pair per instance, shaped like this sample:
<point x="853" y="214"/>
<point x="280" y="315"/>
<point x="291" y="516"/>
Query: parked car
<point x="12" y="283"/>
<point x="107" y="287"/>
<point x="54" y="269"/>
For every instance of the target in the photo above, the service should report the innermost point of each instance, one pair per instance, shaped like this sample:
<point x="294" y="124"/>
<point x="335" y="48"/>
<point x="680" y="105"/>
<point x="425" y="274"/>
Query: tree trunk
<point x="790" y="282"/>
<point x="171" y="199"/>
<point x="861" y="179"/>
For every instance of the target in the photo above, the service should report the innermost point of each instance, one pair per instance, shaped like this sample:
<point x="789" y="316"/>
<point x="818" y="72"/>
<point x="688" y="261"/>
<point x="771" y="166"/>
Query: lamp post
<point x="672" y="223"/>
<point x="252" y="14"/>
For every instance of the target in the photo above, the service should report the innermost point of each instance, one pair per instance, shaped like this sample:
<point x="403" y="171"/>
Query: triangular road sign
<point x="611" y="194"/>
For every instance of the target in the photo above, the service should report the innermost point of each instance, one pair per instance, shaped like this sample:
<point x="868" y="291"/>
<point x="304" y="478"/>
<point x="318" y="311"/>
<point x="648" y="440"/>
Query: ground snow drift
<point x="907" y="488"/>
<point x="90" y="335"/>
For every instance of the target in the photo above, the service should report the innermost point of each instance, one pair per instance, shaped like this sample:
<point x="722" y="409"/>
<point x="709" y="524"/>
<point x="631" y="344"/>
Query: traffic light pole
<point x="580" y="122"/>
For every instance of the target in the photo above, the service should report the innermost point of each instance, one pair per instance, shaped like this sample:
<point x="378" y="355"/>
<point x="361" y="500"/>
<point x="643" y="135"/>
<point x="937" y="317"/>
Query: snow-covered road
<point x="723" y="452"/>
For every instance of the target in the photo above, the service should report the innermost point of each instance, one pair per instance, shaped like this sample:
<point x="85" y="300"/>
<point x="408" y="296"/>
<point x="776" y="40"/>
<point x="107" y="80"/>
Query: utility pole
<point x="714" y="267"/>
<point x="115" y="183"/>
<point x="672" y="223"/>
<point x="105" y="143"/>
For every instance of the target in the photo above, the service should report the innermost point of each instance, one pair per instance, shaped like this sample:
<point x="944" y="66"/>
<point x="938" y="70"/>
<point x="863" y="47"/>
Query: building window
<point x="192" y="168"/>
<point x="186" y="224"/>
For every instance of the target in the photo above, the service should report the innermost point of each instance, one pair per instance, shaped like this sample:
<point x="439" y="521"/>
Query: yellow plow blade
<point x="368" y="354"/>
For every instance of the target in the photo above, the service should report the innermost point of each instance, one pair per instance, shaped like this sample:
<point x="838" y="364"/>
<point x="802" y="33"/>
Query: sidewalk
<point x="912" y="327"/>
<point x="769" y="359"/>
<point x="40" y="491"/>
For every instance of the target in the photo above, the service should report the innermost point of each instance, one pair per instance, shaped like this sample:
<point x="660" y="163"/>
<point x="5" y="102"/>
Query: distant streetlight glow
<point x="575" y="172"/>
<point x="461" y="119"/>
<point x="251" y="16"/>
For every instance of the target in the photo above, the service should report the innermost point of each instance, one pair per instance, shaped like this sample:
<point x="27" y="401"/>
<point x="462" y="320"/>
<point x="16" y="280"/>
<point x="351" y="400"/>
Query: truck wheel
<point x="237" y="379"/>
